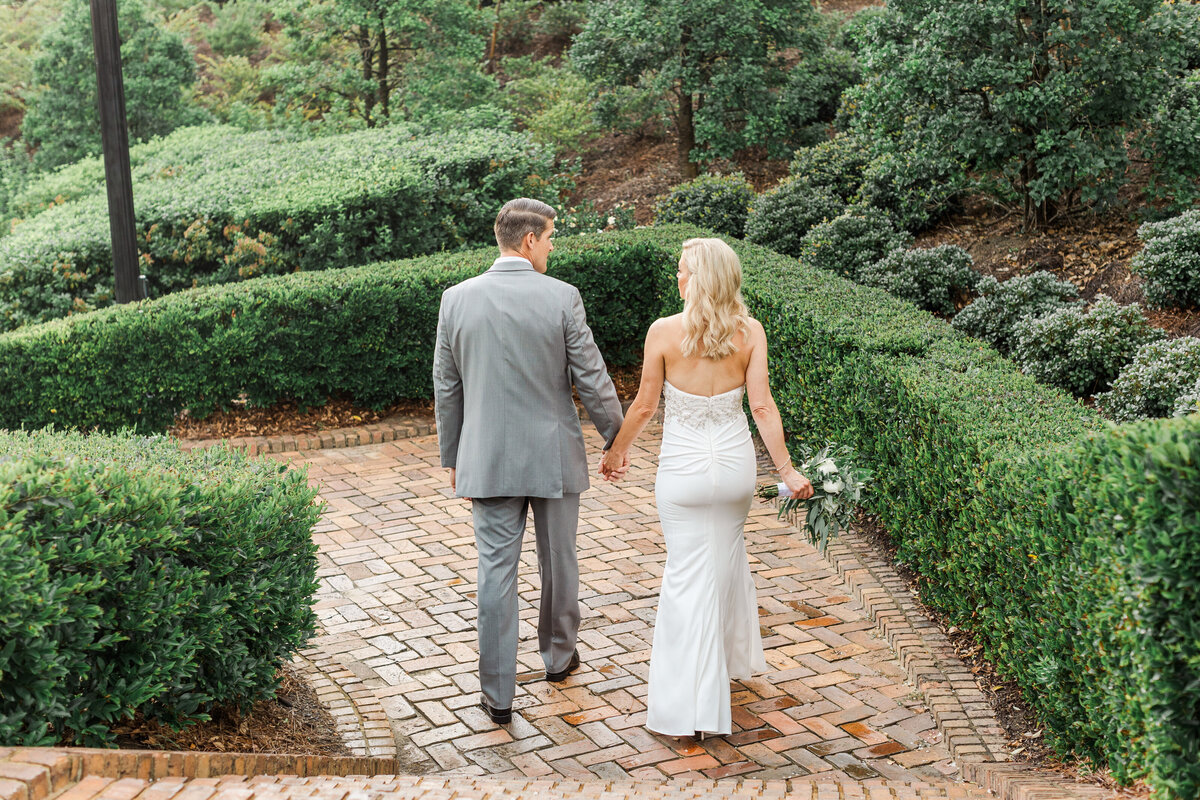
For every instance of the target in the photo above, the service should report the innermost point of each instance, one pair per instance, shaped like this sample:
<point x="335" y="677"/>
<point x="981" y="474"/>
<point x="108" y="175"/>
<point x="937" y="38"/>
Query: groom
<point x="510" y="343"/>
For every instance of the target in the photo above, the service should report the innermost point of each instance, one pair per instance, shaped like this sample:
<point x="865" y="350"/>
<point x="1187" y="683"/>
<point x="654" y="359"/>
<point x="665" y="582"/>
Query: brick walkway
<point x="864" y="699"/>
<point x="397" y="647"/>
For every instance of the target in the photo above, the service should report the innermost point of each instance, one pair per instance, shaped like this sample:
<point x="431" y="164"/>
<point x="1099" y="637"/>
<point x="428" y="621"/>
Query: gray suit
<point x="510" y="344"/>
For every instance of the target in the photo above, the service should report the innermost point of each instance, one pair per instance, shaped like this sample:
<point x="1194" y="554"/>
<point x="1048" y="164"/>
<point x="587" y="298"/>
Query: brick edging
<point x="959" y="708"/>
<point x="361" y="719"/>
<point x="388" y="430"/>
<point x="407" y="426"/>
<point x="38" y="773"/>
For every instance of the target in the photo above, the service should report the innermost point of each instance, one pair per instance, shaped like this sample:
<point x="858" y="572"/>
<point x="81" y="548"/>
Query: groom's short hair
<point x="519" y="217"/>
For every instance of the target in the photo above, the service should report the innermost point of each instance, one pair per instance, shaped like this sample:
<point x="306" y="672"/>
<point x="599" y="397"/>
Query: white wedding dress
<point x="706" y="632"/>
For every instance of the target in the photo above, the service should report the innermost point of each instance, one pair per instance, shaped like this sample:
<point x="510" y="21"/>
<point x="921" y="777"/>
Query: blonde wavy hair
<point x="713" y="310"/>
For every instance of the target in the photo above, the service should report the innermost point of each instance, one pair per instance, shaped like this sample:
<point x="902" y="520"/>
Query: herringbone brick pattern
<point x="397" y="612"/>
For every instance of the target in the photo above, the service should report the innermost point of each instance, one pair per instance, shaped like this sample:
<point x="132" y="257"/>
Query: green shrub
<point x="15" y="170"/>
<point x="551" y="102"/>
<point x="916" y="187"/>
<point x="1170" y="261"/>
<point x="809" y="100"/>
<point x="364" y="333"/>
<point x="1188" y="402"/>
<point x="1040" y="98"/>
<point x="1125" y="503"/>
<point x="237" y="28"/>
<point x="1170" y="141"/>
<point x="852" y="241"/>
<point x="218" y="205"/>
<point x="137" y="577"/>
<point x="781" y="217"/>
<point x="1150" y="386"/>
<point x="837" y="165"/>
<point x="718" y="203"/>
<point x="62" y="116"/>
<point x="930" y="279"/>
<point x="1082" y="351"/>
<point x="1000" y="306"/>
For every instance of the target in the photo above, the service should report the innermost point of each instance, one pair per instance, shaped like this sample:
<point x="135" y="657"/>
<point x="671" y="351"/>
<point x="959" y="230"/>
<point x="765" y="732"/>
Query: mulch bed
<point x="294" y="723"/>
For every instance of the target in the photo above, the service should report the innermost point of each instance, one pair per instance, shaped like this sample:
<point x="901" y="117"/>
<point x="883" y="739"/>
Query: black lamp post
<point x="114" y="139"/>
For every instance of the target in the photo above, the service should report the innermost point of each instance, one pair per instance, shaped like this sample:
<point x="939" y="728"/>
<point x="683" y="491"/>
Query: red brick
<point x="86" y="789"/>
<point x="887" y="749"/>
<point x="680" y="765"/>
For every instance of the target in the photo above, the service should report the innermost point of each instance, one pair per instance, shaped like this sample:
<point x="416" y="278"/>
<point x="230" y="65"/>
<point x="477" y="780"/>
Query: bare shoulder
<point x="756" y="333"/>
<point x="664" y="326"/>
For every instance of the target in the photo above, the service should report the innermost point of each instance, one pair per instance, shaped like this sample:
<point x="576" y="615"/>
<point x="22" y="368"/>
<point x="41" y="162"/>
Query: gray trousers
<point x="499" y="529"/>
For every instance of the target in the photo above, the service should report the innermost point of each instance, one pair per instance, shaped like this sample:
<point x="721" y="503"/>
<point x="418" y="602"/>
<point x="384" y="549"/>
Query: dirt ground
<point x="294" y="723"/>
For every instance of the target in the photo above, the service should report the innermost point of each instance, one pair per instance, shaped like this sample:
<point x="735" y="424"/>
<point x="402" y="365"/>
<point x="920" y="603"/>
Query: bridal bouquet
<point x="837" y="488"/>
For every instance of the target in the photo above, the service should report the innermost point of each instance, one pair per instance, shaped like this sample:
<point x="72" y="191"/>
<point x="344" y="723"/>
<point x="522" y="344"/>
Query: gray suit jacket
<point x="510" y="343"/>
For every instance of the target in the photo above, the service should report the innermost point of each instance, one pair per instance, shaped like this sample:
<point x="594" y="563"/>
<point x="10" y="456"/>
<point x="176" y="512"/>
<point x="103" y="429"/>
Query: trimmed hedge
<point x="135" y="577"/>
<point x="1068" y="546"/>
<point x="216" y="205"/>
<point x="364" y="333"/>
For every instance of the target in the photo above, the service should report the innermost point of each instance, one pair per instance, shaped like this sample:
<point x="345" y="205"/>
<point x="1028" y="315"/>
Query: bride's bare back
<point x="697" y="374"/>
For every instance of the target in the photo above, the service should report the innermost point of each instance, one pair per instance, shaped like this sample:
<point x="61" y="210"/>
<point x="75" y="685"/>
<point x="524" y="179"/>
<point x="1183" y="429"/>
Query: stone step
<point x="91" y="774"/>
<point x="453" y="787"/>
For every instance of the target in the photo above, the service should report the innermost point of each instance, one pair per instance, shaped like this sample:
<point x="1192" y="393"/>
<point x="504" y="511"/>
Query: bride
<point x="706" y="632"/>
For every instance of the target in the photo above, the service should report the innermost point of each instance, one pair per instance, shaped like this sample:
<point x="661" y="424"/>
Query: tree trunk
<point x="367" y="53"/>
<point x="385" y="91"/>
<point x="1037" y="215"/>
<point x="687" y="136"/>
<point x="491" y="57"/>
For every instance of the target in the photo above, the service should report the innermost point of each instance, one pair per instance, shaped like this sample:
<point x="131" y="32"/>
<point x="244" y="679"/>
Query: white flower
<point x="826" y="467"/>
<point x="612" y="220"/>
<point x="832" y="487"/>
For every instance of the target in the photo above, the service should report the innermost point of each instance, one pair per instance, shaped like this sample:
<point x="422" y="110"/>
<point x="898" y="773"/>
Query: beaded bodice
<point x="698" y="411"/>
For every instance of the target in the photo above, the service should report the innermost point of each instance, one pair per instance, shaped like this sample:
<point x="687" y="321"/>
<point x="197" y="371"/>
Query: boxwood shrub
<point x="852" y="241"/>
<point x="836" y="165"/>
<point x="365" y="333"/>
<point x="1000" y="306"/>
<point x="216" y="205"/>
<point x="1082" y="351"/>
<point x="136" y="577"/>
<point x="1188" y="402"/>
<point x="1152" y="383"/>
<point x="780" y="218"/>
<point x="719" y="203"/>
<point x="1170" y="261"/>
<point x="930" y="278"/>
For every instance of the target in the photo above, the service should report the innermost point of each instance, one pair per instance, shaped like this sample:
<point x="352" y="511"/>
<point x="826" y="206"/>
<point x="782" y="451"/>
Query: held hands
<point x="800" y="486"/>
<point x="613" y="465"/>
<point x="454" y="481"/>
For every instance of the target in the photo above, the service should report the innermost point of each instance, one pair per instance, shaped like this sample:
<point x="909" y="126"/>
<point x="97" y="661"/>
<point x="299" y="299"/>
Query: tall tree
<point x="355" y="57"/>
<point x="721" y="62"/>
<point x="62" y="117"/>
<point x="1038" y="92"/>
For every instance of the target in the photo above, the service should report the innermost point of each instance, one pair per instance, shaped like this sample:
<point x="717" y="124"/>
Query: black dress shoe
<point x="572" y="665"/>
<point x="500" y="716"/>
